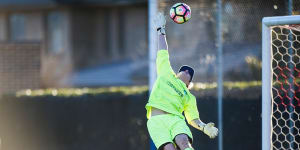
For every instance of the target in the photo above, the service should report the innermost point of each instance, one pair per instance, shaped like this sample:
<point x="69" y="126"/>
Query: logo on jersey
<point x="176" y="90"/>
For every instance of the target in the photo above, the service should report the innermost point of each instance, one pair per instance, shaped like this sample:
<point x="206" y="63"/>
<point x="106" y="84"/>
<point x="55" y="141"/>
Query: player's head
<point x="186" y="74"/>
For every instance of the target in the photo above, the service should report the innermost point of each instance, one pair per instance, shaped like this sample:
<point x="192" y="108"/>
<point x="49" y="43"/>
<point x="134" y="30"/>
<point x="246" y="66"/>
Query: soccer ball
<point x="180" y="13"/>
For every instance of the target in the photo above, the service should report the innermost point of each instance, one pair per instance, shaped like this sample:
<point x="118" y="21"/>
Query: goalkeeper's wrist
<point x="201" y="126"/>
<point x="161" y="30"/>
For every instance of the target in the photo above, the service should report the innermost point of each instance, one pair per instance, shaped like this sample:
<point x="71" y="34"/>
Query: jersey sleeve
<point x="191" y="110"/>
<point x="163" y="66"/>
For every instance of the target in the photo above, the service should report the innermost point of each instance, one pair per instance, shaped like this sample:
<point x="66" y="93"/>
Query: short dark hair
<point x="190" y="70"/>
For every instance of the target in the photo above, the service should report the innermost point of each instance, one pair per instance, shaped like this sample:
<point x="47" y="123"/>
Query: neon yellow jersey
<point x="169" y="93"/>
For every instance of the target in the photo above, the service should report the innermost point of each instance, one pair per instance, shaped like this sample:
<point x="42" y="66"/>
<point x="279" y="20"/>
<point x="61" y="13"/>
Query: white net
<point x="285" y="87"/>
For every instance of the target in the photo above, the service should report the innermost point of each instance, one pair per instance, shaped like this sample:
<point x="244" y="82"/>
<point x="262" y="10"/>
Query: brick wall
<point x="19" y="66"/>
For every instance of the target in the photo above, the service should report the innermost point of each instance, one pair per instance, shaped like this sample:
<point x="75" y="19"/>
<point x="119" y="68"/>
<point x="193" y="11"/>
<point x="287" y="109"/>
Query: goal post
<point x="280" y="82"/>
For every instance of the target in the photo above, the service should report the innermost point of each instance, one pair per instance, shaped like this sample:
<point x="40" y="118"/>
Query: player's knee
<point x="182" y="141"/>
<point x="169" y="146"/>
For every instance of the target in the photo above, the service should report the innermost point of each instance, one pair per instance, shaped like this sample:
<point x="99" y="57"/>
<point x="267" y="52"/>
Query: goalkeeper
<point x="170" y="97"/>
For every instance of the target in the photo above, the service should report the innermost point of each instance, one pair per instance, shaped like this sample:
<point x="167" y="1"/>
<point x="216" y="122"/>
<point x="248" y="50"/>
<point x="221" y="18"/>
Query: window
<point x="17" y="26"/>
<point x="57" y="31"/>
<point x="25" y="27"/>
<point x="2" y="27"/>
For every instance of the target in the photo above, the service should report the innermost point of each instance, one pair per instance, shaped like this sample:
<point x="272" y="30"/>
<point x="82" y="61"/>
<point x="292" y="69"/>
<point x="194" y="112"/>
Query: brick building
<point x="70" y="43"/>
<point x="43" y="43"/>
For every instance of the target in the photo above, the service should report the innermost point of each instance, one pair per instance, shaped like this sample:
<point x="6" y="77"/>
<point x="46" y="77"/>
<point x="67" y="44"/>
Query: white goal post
<point x="280" y="83"/>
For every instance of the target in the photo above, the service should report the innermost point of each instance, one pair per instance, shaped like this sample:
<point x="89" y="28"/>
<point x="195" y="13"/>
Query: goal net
<point x="281" y="83"/>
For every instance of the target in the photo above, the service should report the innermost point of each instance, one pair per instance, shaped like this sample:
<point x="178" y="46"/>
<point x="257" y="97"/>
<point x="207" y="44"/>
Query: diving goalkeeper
<point x="170" y="97"/>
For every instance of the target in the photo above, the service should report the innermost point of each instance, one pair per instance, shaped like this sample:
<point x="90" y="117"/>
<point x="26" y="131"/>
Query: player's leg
<point x="181" y="134"/>
<point x="183" y="142"/>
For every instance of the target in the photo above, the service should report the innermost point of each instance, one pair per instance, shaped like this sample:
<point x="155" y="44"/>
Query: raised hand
<point x="160" y="23"/>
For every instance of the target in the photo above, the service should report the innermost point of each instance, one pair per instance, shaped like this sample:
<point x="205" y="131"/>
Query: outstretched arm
<point x="163" y="65"/>
<point x="192" y="116"/>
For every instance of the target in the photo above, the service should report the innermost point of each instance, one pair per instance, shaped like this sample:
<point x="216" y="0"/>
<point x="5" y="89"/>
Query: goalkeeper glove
<point x="160" y="23"/>
<point x="209" y="129"/>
